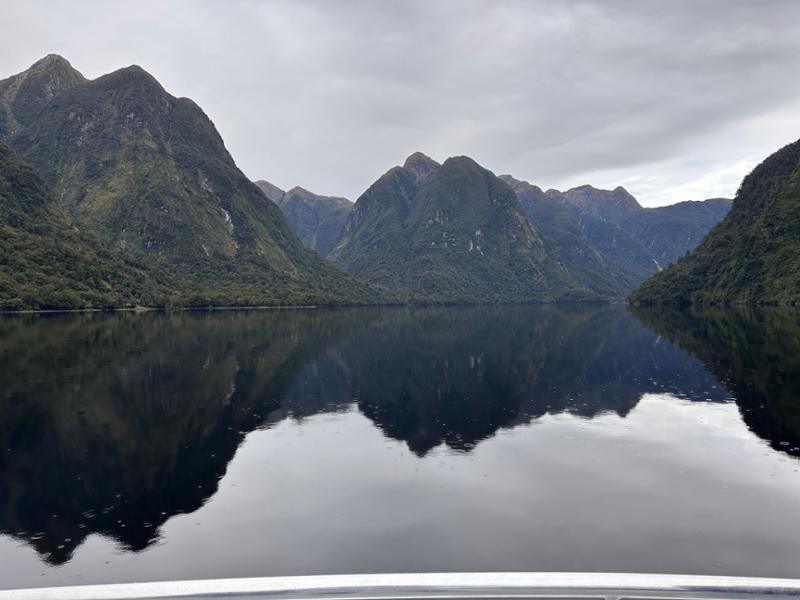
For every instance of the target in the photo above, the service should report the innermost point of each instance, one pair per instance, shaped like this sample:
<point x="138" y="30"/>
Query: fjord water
<point x="192" y="445"/>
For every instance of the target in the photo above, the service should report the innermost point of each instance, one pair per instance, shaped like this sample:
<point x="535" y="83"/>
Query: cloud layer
<point x="675" y="100"/>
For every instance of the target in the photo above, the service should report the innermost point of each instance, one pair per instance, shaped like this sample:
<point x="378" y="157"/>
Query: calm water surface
<point x="152" y="446"/>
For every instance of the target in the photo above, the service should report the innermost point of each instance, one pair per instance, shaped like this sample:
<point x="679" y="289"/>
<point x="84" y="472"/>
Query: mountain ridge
<point x="751" y="256"/>
<point x="317" y="220"/>
<point x="150" y="174"/>
<point x="453" y="232"/>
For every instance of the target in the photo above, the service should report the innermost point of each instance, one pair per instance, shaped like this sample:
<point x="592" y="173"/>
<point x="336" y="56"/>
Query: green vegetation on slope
<point x="564" y="238"/>
<point x="317" y="220"/>
<point x="149" y="174"/>
<point x="753" y="255"/>
<point x="47" y="263"/>
<point x="637" y="242"/>
<point x="450" y="233"/>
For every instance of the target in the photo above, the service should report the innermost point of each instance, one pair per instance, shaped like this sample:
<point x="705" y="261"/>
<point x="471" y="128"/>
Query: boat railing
<point x="433" y="586"/>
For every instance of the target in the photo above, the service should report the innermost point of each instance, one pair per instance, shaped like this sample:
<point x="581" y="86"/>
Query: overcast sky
<point x="673" y="100"/>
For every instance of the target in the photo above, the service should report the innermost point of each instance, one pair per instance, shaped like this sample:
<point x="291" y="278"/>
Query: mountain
<point x="753" y="255"/>
<point x="607" y="239"/>
<point x="635" y="241"/>
<point x="669" y="232"/>
<point x="317" y="220"/>
<point x="563" y="236"/>
<point x="46" y="262"/>
<point x="450" y="233"/>
<point x="150" y="175"/>
<point x="273" y="192"/>
<point x="23" y="96"/>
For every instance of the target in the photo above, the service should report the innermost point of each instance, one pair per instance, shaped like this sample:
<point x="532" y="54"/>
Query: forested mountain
<point x="317" y="220"/>
<point x="47" y="262"/>
<point x="607" y="239"/>
<point x="23" y="96"/>
<point x="636" y="241"/>
<point x="453" y="233"/>
<point x="753" y="255"/>
<point x="563" y="236"/>
<point x="149" y="174"/>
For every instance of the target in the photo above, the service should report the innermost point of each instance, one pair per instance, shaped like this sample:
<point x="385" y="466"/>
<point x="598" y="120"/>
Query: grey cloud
<point x="330" y="94"/>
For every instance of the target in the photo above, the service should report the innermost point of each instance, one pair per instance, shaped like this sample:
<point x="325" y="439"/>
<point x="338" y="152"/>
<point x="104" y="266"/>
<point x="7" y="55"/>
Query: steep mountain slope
<point x="753" y="255"/>
<point x="47" y="263"/>
<point x="669" y="232"/>
<point x="317" y="220"/>
<point x="150" y="174"/>
<point x="637" y="242"/>
<point x="564" y="238"/>
<point x="598" y="213"/>
<point x="451" y="233"/>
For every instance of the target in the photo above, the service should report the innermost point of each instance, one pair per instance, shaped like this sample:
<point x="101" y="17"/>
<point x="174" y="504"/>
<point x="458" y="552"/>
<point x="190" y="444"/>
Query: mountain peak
<point x="49" y="62"/>
<point x="53" y="71"/>
<point x="24" y="95"/>
<point x="460" y="160"/>
<point x="591" y="197"/>
<point x="300" y="190"/>
<point x="519" y="185"/>
<point x="271" y="191"/>
<point x="133" y="76"/>
<point x="510" y="179"/>
<point x="420" y="166"/>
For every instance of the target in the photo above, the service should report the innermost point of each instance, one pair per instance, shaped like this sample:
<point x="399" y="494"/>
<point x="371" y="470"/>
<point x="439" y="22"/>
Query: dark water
<point x="153" y="446"/>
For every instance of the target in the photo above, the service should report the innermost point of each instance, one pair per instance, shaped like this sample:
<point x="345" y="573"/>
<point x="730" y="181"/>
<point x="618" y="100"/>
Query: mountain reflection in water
<point x="112" y="424"/>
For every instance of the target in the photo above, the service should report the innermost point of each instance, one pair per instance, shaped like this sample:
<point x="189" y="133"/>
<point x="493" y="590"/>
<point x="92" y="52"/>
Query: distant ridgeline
<point x="317" y="220"/>
<point x="113" y="193"/>
<point x="456" y="232"/>
<point x="753" y="255"/>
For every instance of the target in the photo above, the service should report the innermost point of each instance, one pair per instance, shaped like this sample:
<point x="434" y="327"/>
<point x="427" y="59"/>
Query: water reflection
<point x="755" y="353"/>
<point x="112" y="424"/>
<point x="456" y="376"/>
